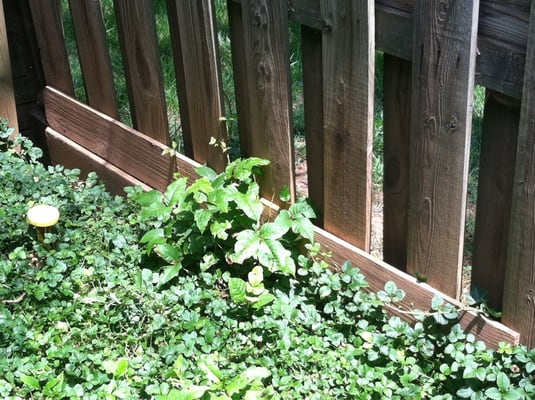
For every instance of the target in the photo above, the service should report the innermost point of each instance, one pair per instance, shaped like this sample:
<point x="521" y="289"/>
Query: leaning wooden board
<point x="130" y="150"/>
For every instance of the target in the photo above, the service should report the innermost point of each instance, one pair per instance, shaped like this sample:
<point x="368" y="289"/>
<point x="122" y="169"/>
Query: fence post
<point x="8" y="107"/>
<point x="348" y="81"/>
<point x="495" y="185"/>
<point x="519" y="294"/>
<point x="94" y="56"/>
<point x="194" y="42"/>
<point x="397" y="102"/>
<point x="261" y="61"/>
<point x="444" y="53"/>
<point x="48" y="25"/>
<point x="143" y="69"/>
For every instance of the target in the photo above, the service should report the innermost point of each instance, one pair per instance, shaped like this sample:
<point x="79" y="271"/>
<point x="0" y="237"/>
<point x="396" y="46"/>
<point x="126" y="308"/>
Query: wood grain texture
<point x="111" y="140"/>
<point x="240" y="69"/>
<point x="519" y="293"/>
<point x="139" y="46"/>
<point x="306" y="13"/>
<point x="442" y="92"/>
<point x="48" y="25"/>
<point x="94" y="56"/>
<point x="494" y="194"/>
<point x="501" y="42"/>
<point x="348" y="81"/>
<point x="265" y="48"/>
<point x="71" y="155"/>
<point x="311" y="49"/>
<point x="8" y="108"/>
<point x="396" y="129"/>
<point x="194" y="42"/>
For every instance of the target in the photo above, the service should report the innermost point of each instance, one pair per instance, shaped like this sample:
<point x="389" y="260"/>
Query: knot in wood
<point x="452" y="123"/>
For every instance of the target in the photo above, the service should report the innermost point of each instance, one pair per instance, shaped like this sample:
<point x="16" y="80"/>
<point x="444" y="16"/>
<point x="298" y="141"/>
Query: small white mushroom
<point x="43" y="217"/>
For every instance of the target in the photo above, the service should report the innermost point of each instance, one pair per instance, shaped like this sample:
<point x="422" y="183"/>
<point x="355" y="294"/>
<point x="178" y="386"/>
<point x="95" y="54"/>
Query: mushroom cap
<point x="42" y="215"/>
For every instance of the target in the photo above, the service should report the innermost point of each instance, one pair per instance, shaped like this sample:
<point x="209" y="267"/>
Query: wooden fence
<point x="434" y="54"/>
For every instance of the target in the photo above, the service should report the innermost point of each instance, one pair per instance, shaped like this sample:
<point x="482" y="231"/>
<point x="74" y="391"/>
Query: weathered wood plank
<point x="94" y="56"/>
<point x="519" y="294"/>
<point x="396" y="129"/>
<point x="442" y="91"/>
<point x="239" y="66"/>
<point x="418" y="295"/>
<point x="307" y="13"/>
<point x="139" y="46"/>
<point x="194" y="42"/>
<point x="8" y="108"/>
<point x="348" y="81"/>
<point x="494" y="193"/>
<point x="265" y="25"/>
<point x="48" y="25"/>
<point x="111" y="140"/>
<point x="71" y="155"/>
<point x="311" y="48"/>
<point x="501" y="41"/>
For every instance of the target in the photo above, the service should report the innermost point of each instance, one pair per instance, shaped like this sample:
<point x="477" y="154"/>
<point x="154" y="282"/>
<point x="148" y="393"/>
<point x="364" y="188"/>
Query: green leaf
<point x="208" y="365"/>
<point x="305" y="228"/>
<point x="247" y="245"/>
<point x="273" y="255"/>
<point x="237" y="289"/>
<point x="250" y="205"/>
<point x="493" y="393"/>
<point x="168" y="253"/>
<point x="465" y="393"/>
<point x="242" y="170"/>
<point x="324" y="292"/>
<point x="437" y="302"/>
<point x="30" y="381"/>
<point x="202" y="185"/>
<point x="153" y="237"/>
<point x="122" y="367"/>
<point x="285" y="195"/>
<point x="503" y="382"/>
<point x="219" y="229"/>
<point x="176" y="192"/>
<point x="206" y="172"/>
<point x="273" y="230"/>
<point x="302" y="209"/>
<point x="191" y="393"/>
<point x="208" y="260"/>
<point x="202" y="218"/>
<point x="169" y="272"/>
<point x="156" y="210"/>
<point x="263" y="300"/>
<point x="147" y="198"/>
<point x="256" y="276"/>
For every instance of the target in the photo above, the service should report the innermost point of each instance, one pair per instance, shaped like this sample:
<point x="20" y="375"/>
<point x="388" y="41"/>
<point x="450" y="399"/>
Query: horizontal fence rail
<point x="434" y="54"/>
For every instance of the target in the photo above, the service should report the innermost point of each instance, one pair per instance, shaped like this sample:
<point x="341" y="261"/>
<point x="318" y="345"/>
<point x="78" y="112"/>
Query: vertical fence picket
<point x="48" y="25"/>
<point x="311" y="45"/>
<point x="396" y="129"/>
<point x="139" y="45"/>
<point x="193" y="38"/>
<point x="348" y="81"/>
<point x="7" y="98"/>
<point x="442" y="89"/>
<point x="495" y="185"/>
<point x="265" y="60"/>
<point x="519" y="294"/>
<point x="94" y="56"/>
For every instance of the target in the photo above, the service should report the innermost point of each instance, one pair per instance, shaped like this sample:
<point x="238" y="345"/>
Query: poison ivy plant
<point x="216" y="222"/>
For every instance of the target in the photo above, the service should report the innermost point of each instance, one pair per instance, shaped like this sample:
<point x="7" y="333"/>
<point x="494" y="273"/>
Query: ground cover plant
<point x="189" y="294"/>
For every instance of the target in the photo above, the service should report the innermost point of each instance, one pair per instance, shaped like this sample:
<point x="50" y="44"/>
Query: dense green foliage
<point x="190" y="295"/>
